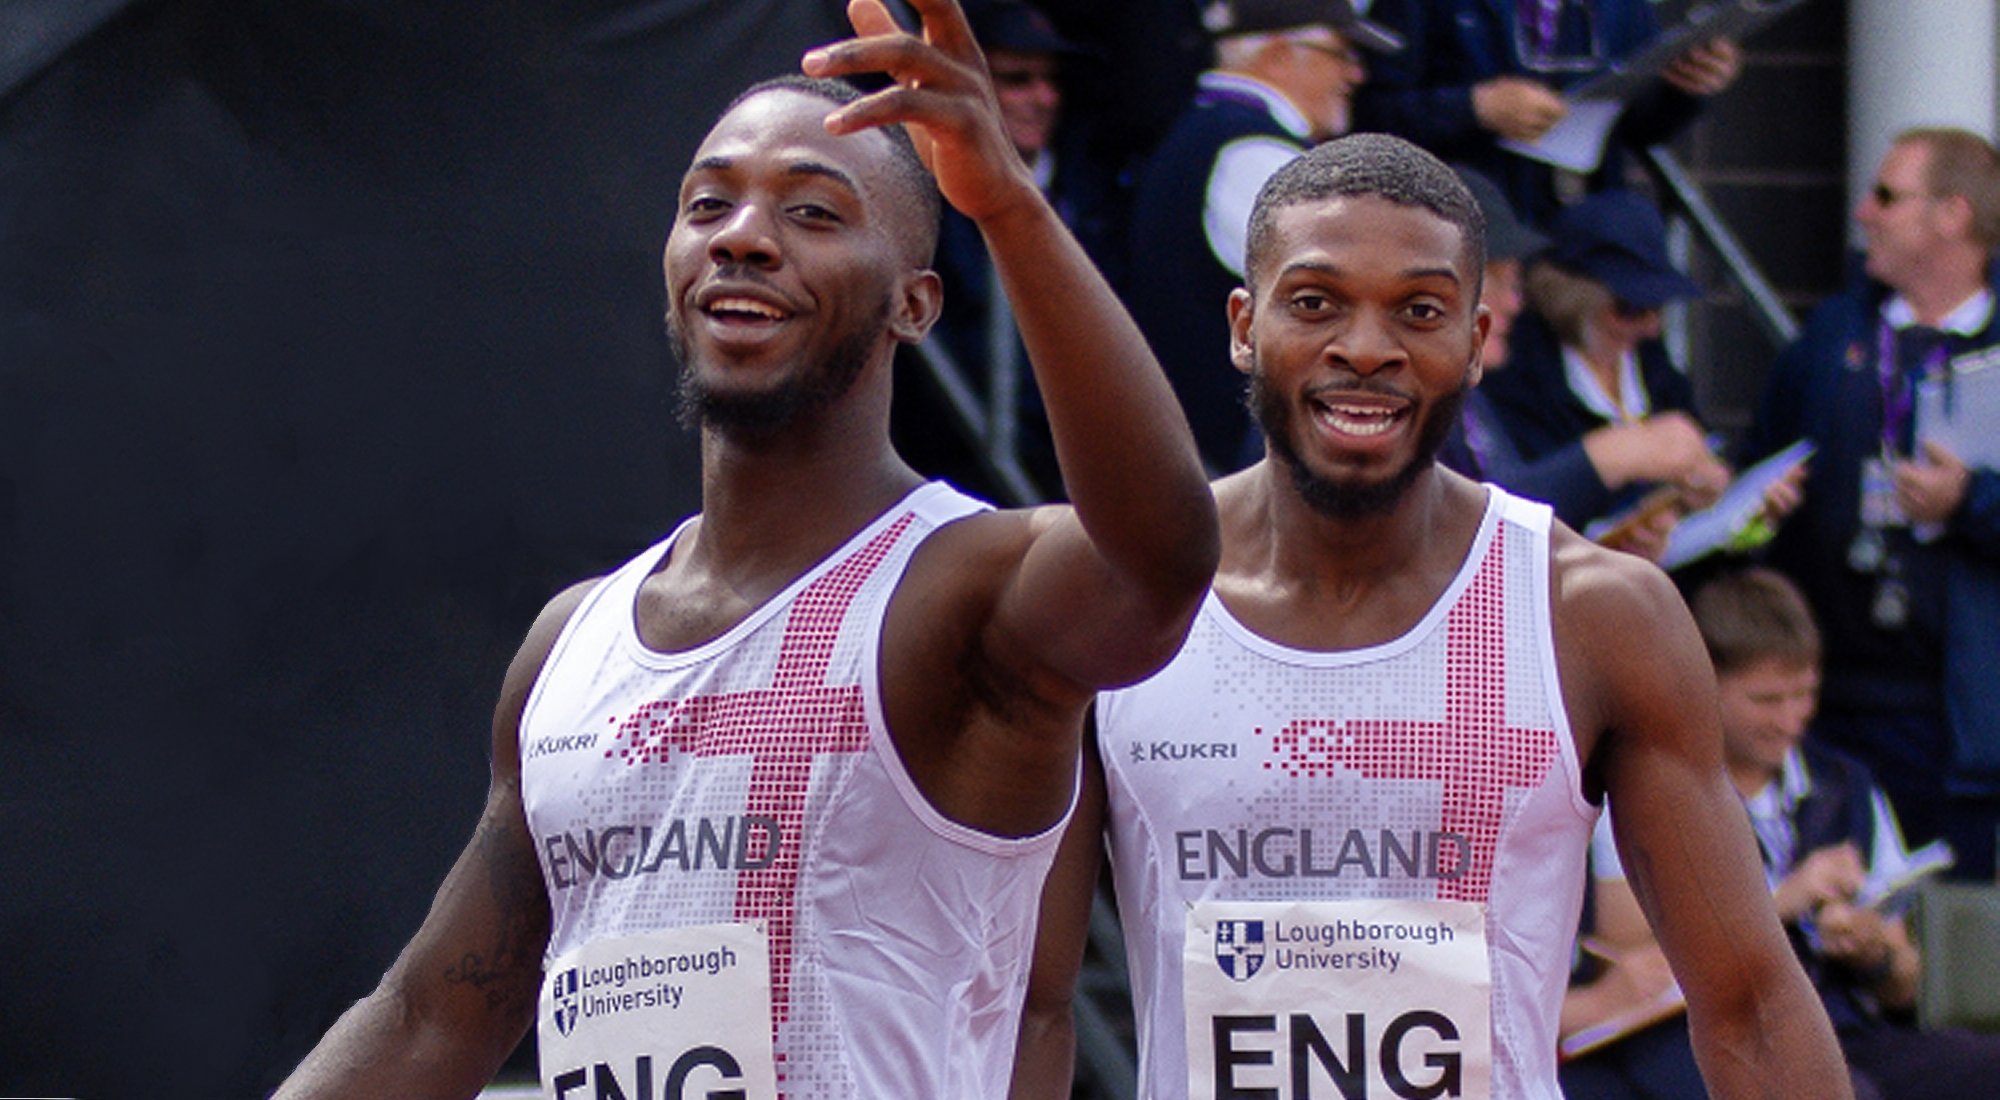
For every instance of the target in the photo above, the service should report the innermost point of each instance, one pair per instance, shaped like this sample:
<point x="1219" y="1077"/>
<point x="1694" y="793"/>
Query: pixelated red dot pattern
<point x="1471" y="751"/>
<point x="784" y="728"/>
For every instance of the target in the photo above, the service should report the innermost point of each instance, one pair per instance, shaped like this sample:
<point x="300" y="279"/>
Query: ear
<point x="1954" y="215"/>
<point x="1241" y="312"/>
<point x="1482" y="323"/>
<point x="917" y="307"/>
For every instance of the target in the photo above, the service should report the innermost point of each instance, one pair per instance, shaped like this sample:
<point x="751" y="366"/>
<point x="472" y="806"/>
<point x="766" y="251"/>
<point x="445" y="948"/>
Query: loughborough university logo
<point x="567" y="1007"/>
<point x="1239" y="947"/>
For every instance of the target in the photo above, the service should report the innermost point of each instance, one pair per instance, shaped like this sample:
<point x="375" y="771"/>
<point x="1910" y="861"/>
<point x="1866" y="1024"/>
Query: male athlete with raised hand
<point x="1347" y="822"/>
<point x="771" y="805"/>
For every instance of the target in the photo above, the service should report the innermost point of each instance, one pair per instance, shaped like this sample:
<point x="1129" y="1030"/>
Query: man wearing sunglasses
<point x="1897" y="544"/>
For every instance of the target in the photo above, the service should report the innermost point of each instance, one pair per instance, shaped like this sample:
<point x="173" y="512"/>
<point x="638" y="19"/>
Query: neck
<point x="1604" y="357"/>
<point x="1748" y="779"/>
<point x="774" y="499"/>
<point x="1933" y="299"/>
<point x="1303" y="579"/>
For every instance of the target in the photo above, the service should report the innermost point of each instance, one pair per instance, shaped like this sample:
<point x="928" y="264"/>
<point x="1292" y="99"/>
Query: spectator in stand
<point x="1476" y="71"/>
<point x="1833" y="852"/>
<point x="1479" y="447"/>
<point x="1588" y="369"/>
<point x="1897" y="546"/>
<point x="1285" y="74"/>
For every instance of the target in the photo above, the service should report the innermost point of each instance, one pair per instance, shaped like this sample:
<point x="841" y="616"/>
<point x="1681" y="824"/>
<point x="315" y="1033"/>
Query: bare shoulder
<point x="526" y="668"/>
<point x="1596" y="589"/>
<point x="1626" y="647"/>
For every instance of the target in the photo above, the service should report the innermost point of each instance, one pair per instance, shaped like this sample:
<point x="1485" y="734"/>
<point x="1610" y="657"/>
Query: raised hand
<point x="941" y="92"/>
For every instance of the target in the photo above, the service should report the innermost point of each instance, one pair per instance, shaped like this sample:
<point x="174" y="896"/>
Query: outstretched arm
<point x="1103" y="591"/>
<point x="1649" y="697"/>
<point x="464" y="990"/>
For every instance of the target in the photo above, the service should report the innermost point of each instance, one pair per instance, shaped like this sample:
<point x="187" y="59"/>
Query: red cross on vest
<point x="784" y="729"/>
<point x="1472" y="751"/>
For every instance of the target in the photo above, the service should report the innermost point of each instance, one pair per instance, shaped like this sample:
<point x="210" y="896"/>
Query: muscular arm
<point x="1045" y="1056"/>
<point x="464" y="990"/>
<point x="1104" y="590"/>
<point x="1644" y="701"/>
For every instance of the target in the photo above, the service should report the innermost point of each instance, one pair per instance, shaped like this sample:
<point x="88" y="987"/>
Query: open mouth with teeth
<point x="735" y="310"/>
<point x="1357" y="420"/>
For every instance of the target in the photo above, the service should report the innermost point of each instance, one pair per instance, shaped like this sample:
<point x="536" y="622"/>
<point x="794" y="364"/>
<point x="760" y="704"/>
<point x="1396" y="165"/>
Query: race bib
<point x="1343" y="999"/>
<point x="682" y="1014"/>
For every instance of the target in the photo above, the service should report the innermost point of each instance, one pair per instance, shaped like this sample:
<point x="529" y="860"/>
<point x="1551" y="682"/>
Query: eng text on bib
<point x="1338" y="1000"/>
<point x="681" y="1014"/>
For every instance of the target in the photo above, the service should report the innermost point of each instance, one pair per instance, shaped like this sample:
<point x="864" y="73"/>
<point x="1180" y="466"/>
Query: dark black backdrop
<point x="329" y="349"/>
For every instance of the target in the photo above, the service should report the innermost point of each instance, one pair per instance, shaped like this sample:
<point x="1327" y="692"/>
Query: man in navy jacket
<point x="1897" y="544"/>
<point x="1475" y="71"/>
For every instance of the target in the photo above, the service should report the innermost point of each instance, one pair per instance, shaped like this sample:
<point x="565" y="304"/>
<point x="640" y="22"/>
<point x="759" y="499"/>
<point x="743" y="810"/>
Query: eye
<point x="701" y="206"/>
<point x="815" y="212"/>
<point x="1424" y="312"/>
<point x="1310" y="301"/>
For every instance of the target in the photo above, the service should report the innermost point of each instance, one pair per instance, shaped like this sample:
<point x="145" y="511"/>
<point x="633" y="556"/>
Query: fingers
<point x="943" y="22"/>
<point x="1519" y="109"/>
<point x="1706" y="68"/>
<point x="869" y="17"/>
<point x="1937" y="454"/>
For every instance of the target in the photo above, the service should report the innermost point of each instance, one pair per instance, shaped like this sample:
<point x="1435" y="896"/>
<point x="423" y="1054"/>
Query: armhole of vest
<point x="936" y="511"/>
<point x="1535" y="519"/>
<point x="574" y="625"/>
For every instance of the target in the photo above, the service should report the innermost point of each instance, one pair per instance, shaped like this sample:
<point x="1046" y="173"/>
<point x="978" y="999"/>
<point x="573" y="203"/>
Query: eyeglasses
<point x="1339" y="51"/>
<point x="1887" y="196"/>
<point x="1025" y="78"/>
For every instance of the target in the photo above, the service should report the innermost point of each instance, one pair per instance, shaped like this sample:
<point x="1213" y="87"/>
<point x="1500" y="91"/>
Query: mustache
<point x="1347" y="383"/>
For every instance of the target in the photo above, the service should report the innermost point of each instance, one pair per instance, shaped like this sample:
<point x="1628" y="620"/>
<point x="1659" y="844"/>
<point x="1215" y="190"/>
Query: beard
<point x="1350" y="499"/>
<point x="767" y="411"/>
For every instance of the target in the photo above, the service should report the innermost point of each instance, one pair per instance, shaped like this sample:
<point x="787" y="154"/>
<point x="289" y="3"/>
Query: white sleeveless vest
<point x="753" y="779"/>
<point x="1435" y="767"/>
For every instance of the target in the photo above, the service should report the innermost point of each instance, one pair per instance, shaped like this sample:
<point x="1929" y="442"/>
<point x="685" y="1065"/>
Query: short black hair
<point x="1369" y="164"/>
<point x="909" y="174"/>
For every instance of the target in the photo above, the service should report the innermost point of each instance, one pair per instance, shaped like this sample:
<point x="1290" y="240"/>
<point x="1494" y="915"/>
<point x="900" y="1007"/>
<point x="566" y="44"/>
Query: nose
<point x="1365" y="345"/>
<point x="744" y="237"/>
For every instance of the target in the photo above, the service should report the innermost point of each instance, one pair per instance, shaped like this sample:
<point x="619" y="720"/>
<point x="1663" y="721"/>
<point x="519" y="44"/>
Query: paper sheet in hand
<point x="1895" y="876"/>
<point x="1733" y="19"/>
<point x="1577" y="142"/>
<point x="1701" y="533"/>
<point x="1970" y="428"/>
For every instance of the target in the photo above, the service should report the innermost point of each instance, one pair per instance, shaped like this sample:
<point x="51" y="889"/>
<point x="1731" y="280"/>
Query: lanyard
<point x="1899" y="392"/>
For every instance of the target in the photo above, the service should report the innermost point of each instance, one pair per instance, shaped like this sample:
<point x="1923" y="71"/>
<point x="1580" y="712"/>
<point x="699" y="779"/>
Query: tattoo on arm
<point x="508" y="973"/>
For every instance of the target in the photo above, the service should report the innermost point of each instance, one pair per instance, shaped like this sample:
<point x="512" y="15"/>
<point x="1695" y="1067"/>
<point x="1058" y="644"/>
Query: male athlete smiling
<point x="1399" y="657"/>
<point x="874" y="685"/>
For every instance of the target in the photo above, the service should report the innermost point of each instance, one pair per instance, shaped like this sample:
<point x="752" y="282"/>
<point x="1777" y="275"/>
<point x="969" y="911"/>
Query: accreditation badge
<point x="1338" y="998"/>
<point x="1878" y="496"/>
<point x="684" y="1012"/>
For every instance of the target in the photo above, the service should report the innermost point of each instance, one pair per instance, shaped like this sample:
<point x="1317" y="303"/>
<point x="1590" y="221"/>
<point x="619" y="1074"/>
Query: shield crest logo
<point x="566" y="1007"/>
<point x="1239" y="947"/>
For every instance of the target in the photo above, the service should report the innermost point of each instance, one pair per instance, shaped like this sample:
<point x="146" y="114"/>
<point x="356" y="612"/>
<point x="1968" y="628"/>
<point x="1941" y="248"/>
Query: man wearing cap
<point x="1589" y="370"/>
<point x="1897" y="544"/>
<point x="1478" y="71"/>
<point x="1285" y="76"/>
